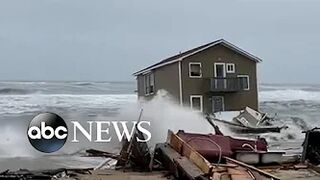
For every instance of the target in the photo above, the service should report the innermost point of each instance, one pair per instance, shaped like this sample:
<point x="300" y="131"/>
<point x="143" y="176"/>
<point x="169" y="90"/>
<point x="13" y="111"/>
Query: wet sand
<point x="49" y="162"/>
<point x="306" y="174"/>
<point x="119" y="175"/>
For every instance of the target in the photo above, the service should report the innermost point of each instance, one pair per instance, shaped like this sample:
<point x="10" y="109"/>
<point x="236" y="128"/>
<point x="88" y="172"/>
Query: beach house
<point x="217" y="76"/>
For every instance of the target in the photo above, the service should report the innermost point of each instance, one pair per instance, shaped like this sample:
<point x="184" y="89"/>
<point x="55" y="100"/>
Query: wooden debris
<point x="187" y="169"/>
<point x="185" y="149"/>
<point x="313" y="167"/>
<point x="233" y="169"/>
<point x="98" y="153"/>
<point x="27" y="174"/>
<point x="311" y="146"/>
<point x="181" y="167"/>
<point x="300" y="166"/>
<point x="253" y="169"/>
<point x="103" y="164"/>
<point x="133" y="153"/>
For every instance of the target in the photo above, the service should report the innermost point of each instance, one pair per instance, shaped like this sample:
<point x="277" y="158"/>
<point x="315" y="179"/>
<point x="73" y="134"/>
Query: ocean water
<point x="296" y="106"/>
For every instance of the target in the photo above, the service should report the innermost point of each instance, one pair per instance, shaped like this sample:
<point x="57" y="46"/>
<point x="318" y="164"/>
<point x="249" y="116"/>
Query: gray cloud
<point x="108" y="40"/>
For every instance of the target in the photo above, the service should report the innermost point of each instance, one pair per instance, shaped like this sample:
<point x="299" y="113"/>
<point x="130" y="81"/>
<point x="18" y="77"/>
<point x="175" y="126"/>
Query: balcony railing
<point x="226" y="84"/>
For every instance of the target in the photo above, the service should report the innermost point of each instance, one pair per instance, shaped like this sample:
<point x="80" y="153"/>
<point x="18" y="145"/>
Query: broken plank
<point x="166" y="155"/>
<point x="252" y="168"/>
<point x="190" y="170"/>
<point x="185" y="149"/>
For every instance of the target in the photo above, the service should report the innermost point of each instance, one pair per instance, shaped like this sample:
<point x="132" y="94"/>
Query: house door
<point x="220" y="75"/>
<point x="217" y="103"/>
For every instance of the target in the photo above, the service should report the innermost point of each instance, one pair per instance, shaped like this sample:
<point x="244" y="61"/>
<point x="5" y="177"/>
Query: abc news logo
<point x="48" y="132"/>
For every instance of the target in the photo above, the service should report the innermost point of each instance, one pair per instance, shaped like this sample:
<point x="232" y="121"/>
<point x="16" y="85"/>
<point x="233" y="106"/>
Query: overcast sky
<point x="104" y="40"/>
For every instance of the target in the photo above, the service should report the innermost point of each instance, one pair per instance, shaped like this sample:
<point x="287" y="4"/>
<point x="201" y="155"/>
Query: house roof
<point x="190" y="52"/>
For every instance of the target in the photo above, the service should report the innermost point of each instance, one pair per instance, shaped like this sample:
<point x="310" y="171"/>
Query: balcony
<point x="226" y="84"/>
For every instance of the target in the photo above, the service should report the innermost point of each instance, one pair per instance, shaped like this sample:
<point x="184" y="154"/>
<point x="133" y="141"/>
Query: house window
<point x="244" y="82"/>
<point x="195" y="70"/>
<point x="230" y="68"/>
<point x="196" y="102"/>
<point x="149" y="83"/>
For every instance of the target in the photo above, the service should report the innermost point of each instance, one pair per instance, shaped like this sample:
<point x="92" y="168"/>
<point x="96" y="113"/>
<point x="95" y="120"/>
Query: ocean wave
<point x="19" y="104"/>
<point x="15" y="91"/>
<point x="83" y="83"/>
<point x="289" y="95"/>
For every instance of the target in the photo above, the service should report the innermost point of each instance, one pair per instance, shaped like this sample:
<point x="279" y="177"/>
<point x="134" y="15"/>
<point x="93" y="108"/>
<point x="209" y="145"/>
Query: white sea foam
<point x="12" y="139"/>
<point x="16" y="104"/>
<point x="164" y="114"/>
<point x="289" y="95"/>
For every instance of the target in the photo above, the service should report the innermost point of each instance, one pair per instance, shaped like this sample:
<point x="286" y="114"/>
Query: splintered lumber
<point x="166" y="155"/>
<point x="123" y="157"/>
<point x="189" y="170"/>
<point x="135" y="153"/>
<point x="254" y="172"/>
<point x="233" y="169"/>
<point x="186" y="150"/>
<point x="313" y="167"/>
<point x="181" y="167"/>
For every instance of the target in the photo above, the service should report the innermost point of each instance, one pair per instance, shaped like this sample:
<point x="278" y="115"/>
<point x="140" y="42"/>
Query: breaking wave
<point x="20" y="104"/>
<point x="296" y="107"/>
<point x="289" y="95"/>
<point x="83" y="83"/>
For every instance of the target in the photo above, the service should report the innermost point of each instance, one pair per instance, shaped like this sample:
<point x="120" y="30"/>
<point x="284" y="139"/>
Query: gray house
<point x="217" y="76"/>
